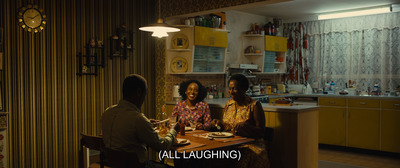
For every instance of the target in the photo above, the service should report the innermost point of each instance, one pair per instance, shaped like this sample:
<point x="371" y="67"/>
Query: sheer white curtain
<point x="364" y="49"/>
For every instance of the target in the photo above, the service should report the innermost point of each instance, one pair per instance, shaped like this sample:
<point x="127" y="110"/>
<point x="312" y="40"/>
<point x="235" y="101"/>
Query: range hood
<point x="243" y="66"/>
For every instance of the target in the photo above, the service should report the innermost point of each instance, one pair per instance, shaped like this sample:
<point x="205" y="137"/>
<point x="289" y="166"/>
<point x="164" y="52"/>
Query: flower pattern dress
<point x="232" y="115"/>
<point x="200" y="113"/>
<point x="255" y="154"/>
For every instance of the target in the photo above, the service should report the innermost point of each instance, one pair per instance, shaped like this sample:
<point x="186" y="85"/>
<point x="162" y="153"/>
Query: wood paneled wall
<point x="48" y="104"/>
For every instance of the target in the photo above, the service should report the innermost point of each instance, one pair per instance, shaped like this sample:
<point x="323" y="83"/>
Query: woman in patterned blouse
<point x="244" y="116"/>
<point x="192" y="107"/>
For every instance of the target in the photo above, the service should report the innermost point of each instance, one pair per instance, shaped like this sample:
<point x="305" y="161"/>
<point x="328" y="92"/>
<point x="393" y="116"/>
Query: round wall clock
<point x="179" y="64"/>
<point x="31" y="18"/>
<point x="180" y="41"/>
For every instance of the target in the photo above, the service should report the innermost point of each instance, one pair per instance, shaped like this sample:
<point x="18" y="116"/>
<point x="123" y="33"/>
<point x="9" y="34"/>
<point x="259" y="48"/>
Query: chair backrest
<point x="92" y="142"/>
<point x="95" y="143"/>
<point x="122" y="159"/>
<point x="268" y="134"/>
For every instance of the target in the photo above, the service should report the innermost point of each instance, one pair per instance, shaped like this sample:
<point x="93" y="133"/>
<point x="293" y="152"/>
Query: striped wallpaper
<point x="48" y="104"/>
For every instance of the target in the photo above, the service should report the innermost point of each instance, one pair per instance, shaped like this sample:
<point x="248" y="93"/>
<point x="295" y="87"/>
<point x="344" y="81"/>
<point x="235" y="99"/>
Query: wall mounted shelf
<point x="88" y="64"/>
<point x="121" y="43"/>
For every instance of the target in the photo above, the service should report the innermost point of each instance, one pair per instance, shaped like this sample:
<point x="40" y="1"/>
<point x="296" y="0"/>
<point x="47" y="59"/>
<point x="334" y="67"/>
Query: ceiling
<point x="304" y="8"/>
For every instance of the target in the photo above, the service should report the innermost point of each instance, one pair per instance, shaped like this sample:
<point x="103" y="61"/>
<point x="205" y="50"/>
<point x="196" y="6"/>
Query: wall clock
<point x="31" y="18"/>
<point x="179" y="64"/>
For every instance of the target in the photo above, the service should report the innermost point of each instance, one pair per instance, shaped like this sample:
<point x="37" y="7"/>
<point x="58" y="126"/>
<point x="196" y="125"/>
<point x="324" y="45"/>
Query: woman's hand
<point x="215" y="123"/>
<point x="242" y="129"/>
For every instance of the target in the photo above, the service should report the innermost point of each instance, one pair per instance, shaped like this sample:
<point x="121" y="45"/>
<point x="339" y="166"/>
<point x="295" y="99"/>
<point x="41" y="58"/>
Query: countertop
<point x="297" y="107"/>
<point x="345" y="96"/>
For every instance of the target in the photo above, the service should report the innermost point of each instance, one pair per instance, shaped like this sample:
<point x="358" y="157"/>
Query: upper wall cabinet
<point x="275" y="43"/>
<point x="267" y="52"/>
<point x="205" y="36"/>
<point x="196" y="50"/>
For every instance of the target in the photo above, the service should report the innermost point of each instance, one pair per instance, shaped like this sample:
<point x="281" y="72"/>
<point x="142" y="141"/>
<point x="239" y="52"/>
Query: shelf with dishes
<point x="268" y="53"/>
<point x="196" y="50"/>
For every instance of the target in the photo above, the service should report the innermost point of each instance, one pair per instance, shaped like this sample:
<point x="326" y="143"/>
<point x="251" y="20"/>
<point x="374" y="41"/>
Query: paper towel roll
<point x="175" y="93"/>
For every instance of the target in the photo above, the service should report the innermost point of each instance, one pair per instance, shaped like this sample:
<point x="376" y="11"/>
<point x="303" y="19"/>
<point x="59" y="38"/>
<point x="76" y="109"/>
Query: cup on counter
<point x="351" y="91"/>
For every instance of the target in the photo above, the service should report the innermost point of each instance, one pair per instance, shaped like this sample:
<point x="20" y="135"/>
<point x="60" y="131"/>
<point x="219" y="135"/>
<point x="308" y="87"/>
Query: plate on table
<point x="181" y="141"/>
<point x="188" y="129"/>
<point x="220" y="134"/>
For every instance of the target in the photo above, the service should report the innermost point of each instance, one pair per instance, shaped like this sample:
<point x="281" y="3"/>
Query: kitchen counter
<point x="344" y="96"/>
<point x="297" y="107"/>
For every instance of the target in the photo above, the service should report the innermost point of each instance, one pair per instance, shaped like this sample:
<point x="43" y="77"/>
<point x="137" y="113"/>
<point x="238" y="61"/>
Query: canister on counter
<point x="281" y="88"/>
<point x="269" y="89"/>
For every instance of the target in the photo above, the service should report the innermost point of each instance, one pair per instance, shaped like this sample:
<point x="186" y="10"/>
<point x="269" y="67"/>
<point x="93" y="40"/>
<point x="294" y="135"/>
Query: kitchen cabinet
<point x="364" y="123"/>
<point x="332" y="121"/>
<point x="390" y="125"/>
<point x="332" y="126"/>
<point x="204" y="36"/>
<point x="367" y="123"/>
<point x="356" y="121"/>
<point x="256" y="49"/>
<point x="275" y="43"/>
<point x="363" y="128"/>
<point x="196" y="50"/>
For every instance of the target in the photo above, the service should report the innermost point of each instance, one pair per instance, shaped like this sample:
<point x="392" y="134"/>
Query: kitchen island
<point x="295" y="138"/>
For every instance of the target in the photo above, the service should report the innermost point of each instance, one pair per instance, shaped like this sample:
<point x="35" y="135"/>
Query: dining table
<point x="201" y="141"/>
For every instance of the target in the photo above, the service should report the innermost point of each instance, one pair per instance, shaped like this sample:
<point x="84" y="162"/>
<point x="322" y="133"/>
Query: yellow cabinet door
<point x="390" y="136"/>
<point x="322" y="101"/>
<point x="332" y="125"/>
<point x="275" y="43"/>
<point x="363" y="128"/>
<point x="204" y="36"/>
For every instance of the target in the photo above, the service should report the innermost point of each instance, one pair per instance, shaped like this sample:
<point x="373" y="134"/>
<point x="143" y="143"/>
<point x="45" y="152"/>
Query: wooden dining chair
<point x="121" y="159"/>
<point x="268" y="135"/>
<point x="92" y="142"/>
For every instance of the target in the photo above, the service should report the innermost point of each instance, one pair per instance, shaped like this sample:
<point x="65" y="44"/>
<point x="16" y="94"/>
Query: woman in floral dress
<point x="192" y="107"/>
<point x="244" y="116"/>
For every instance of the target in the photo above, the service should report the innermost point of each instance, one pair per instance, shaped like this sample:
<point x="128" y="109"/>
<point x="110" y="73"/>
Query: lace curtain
<point x="364" y="49"/>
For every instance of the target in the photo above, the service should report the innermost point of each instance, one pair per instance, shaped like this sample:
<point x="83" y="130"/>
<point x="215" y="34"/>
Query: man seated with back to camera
<point x="125" y="128"/>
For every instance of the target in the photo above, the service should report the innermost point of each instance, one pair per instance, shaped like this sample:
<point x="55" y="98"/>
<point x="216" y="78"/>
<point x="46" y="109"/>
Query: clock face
<point x="32" y="18"/>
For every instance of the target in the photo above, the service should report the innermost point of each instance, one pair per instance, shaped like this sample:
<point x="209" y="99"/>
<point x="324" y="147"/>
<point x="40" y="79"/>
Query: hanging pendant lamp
<point x="159" y="29"/>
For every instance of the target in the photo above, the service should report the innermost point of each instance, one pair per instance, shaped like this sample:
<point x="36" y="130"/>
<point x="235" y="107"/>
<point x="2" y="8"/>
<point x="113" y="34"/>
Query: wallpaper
<point x="48" y="104"/>
<point x="180" y="7"/>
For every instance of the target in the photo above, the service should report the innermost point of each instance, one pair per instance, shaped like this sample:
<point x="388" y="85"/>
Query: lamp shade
<point x="159" y="29"/>
<point x="159" y="34"/>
